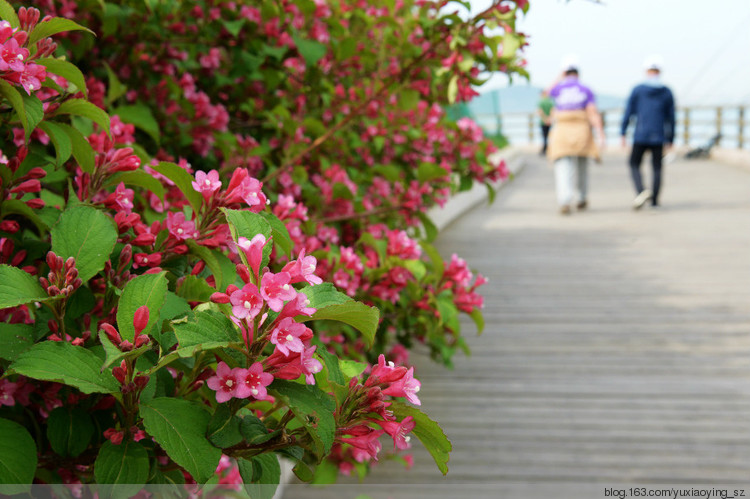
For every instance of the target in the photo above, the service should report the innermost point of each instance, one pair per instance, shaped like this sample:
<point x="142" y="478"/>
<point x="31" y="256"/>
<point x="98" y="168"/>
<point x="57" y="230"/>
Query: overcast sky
<point x="705" y="45"/>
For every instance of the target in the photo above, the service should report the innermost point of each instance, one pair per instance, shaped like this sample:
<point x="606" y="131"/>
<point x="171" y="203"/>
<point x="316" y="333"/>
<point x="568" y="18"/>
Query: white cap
<point x="570" y="62"/>
<point x="653" y="62"/>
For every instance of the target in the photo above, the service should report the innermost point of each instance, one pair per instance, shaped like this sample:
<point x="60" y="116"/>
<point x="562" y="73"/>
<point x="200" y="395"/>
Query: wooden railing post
<point x="718" y="125"/>
<point x="741" y="128"/>
<point x="686" y="127"/>
<point x="531" y="128"/>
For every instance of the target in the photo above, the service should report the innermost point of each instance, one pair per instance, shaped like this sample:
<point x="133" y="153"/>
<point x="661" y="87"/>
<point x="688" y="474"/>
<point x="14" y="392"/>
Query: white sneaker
<point x="641" y="199"/>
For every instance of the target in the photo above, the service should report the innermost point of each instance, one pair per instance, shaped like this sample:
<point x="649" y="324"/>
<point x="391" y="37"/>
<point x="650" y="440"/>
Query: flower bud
<point x="10" y="226"/>
<point x="219" y="298"/>
<point x="52" y="261"/>
<point x="141" y="340"/>
<point x="141" y="382"/>
<point x="27" y="186"/>
<point x="36" y="172"/>
<point x="243" y="272"/>
<point x="198" y="268"/>
<point x="36" y="204"/>
<point x="111" y="333"/>
<point x="140" y="319"/>
<point x="70" y="263"/>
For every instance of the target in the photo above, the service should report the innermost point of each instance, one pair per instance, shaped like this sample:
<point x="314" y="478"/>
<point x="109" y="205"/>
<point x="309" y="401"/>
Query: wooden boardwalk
<point x="617" y="346"/>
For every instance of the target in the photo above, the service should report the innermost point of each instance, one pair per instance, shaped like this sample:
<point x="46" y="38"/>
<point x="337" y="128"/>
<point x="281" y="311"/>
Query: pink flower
<point x="253" y="382"/>
<point x="276" y="289"/>
<point x="224" y="383"/>
<point x="243" y="188"/>
<point x="297" y="306"/>
<point x="407" y="387"/>
<point x="7" y="391"/>
<point x="399" y="431"/>
<point x="303" y="269"/>
<point x="368" y="445"/>
<point x="179" y="228"/>
<point x="253" y="250"/>
<point x="13" y="56"/>
<point x="121" y="200"/>
<point x="246" y="302"/>
<point x="31" y="78"/>
<point x="385" y="372"/>
<point x="287" y="336"/>
<point x="310" y="365"/>
<point x="207" y="184"/>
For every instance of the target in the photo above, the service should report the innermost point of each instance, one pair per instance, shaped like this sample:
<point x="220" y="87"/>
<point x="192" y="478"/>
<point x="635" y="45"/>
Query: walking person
<point x="652" y="105"/>
<point x="544" y="111"/>
<point x="571" y="140"/>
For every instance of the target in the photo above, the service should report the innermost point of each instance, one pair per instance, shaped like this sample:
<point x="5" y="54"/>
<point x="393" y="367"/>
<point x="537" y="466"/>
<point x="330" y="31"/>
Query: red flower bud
<point x="27" y="186"/>
<point x="243" y="273"/>
<point x="113" y="435"/>
<point x="36" y="204"/>
<point x="145" y="239"/>
<point x="52" y="325"/>
<point x="140" y="319"/>
<point x="52" y="261"/>
<point x="141" y="340"/>
<point x="141" y="382"/>
<point x="36" y="172"/>
<point x="231" y="289"/>
<point x="219" y="298"/>
<point x="18" y="258"/>
<point x="198" y="268"/>
<point x="10" y="226"/>
<point x="111" y="333"/>
<point x="154" y="270"/>
<point x="70" y="263"/>
<point x="126" y="346"/>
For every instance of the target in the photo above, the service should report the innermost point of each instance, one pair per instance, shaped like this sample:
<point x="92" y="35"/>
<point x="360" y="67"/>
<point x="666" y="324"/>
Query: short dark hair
<point x="571" y="72"/>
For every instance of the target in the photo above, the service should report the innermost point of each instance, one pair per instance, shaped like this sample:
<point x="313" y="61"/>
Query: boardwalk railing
<point x="696" y="125"/>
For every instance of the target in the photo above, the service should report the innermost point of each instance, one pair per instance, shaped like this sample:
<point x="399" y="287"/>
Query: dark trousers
<point x="545" y="134"/>
<point x="636" y="156"/>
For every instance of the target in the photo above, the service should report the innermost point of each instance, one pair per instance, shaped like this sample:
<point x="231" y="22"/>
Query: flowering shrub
<point x="212" y="241"/>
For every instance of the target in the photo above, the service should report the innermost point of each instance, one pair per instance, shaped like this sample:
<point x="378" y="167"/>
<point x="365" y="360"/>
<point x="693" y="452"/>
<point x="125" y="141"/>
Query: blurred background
<point x="705" y="47"/>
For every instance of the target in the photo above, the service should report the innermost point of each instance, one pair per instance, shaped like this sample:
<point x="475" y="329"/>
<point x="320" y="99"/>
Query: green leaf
<point x="478" y="318"/>
<point x="245" y="223"/>
<point x="194" y="288"/>
<point x="126" y="465"/>
<point x="86" y="234"/>
<point x="430" y="230"/>
<point x="408" y="99"/>
<point x="17" y="458"/>
<point x="438" y="265"/>
<point x="19" y="207"/>
<point x="324" y="295"/>
<point x="69" y="430"/>
<point x="207" y="256"/>
<point x="356" y="314"/>
<point x="18" y="287"/>
<point x="65" y="363"/>
<point x="261" y="475"/>
<point x="82" y="150"/>
<point x="8" y="13"/>
<point x="313" y="408"/>
<point x="80" y="107"/>
<point x="279" y="233"/>
<point x="183" y="180"/>
<point x="224" y="428"/>
<point x="67" y="70"/>
<point x="352" y="368"/>
<point x="15" y="339"/>
<point x="146" y="289"/>
<point x="115" y="89"/>
<point x="52" y="27"/>
<point x="310" y="50"/>
<point x="142" y="117"/>
<point x="453" y="89"/>
<point x="428" y="432"/>
<point x="179" y="426"/>
<point x="208" y="330"/>
<point x="140" y="178"/>
<point x="254" y="431"/>
<point x="331" y="363"/>
<point x="427" y="172"/>
<point x="448" y="311"/>
<point x="16" y="101"/>
<point x="61" y="140"/>
<point x="34" y="110"/>
<point x="234" y="27"/>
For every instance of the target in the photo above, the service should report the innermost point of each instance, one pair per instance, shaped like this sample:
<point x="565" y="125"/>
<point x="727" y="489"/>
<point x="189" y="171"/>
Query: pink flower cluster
<point x="239" y="383"/>
<point x="15" y="60"/>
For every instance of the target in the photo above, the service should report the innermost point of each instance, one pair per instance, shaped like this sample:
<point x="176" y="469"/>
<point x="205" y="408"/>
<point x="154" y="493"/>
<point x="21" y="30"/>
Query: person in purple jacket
<point x="652" y="105"/>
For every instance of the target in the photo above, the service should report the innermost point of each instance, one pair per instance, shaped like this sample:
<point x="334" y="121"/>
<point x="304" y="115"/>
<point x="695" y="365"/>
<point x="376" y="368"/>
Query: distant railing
<point x="696" y="125"/>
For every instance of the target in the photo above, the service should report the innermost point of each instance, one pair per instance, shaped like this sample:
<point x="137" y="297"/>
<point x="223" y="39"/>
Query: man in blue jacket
<point x="652" y="105"/>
